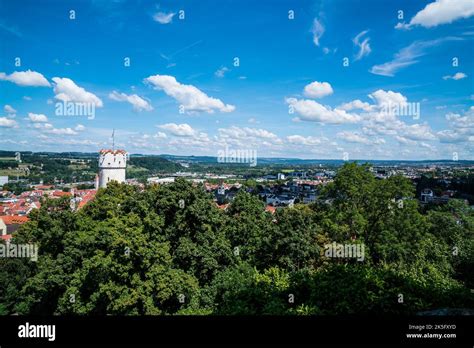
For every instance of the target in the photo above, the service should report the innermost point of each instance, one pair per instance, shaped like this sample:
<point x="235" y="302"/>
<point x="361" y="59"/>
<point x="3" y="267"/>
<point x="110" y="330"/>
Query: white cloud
<point x="9" y="110"/>
<point x="7" y="122"/>
<point x="364" y="46"/>
<point x="384" y="98"/>
<point x="260" y="133"/>
<point x="67" y="91"/>
<point x="27" y="98"/>
<point x="139" y="104"/>
<point x="79" y="128"/>
<point x="192" y="99"/>
<point x="221" y="72"/>
<point x="163" y="18"/>
<point x="450" y="136"/>
<point x="465" y="121"/>
<point x="405" y="141"/>
<point x="442" y="12"/>
<point x="457" y="76"/>
<point x="49" y="129"/>
<point x="37" y="118"/>
<point x="403" y="26"/>
<point x="246" y="132"/>
<point x="301" y="140"/>
<point x="26" y="78"/>
<point x="407" y="56"/>
<point x="318" y="89"/>
<point x="353" y="137"/>
<point x="417" y="132"/>
<point x="252" y="120"/>
<point x="309" y="110"/>
<point x="355" y="104"/>
<point x="62" y="131"/>
<point x="37" y="125"/>
<point x="317" y="30"/>
<point x="181" y="130"/>
<point x="160" y="135"/>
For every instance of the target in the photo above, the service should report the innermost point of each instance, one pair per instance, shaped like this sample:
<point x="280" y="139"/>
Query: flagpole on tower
<point x="113" y="140"/>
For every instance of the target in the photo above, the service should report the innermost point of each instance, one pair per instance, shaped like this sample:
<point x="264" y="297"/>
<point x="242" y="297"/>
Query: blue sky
<point x="290" y="95"/>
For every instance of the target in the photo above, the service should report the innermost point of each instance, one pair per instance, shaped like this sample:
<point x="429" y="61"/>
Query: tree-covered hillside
<point x="170" y="250"/>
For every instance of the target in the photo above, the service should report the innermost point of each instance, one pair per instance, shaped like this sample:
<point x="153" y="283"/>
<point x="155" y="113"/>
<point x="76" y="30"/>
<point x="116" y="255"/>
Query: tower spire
<point x="113" y="140"/>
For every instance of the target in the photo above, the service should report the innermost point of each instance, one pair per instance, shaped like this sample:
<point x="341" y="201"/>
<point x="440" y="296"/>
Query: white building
<point x="427" y="196"/>
<point x="112" y="166"/>
<point x="157" y="180"/>
<point x="3" y="180"/>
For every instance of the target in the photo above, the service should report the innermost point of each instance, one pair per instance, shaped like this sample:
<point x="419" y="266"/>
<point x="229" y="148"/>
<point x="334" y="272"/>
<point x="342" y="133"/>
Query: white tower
<point x="112" y="166"/>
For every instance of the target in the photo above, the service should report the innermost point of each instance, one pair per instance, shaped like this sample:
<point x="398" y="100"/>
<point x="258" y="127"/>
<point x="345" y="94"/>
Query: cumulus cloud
<point x="465" y="121"/>
<point x="354" y="105"/>
<point x="221" y="72"/>
<point x="26" y="78"/>
<point x="353" y="137"/>
<point x="301" y="140"/>
<point x="440" y="12"/>
<point x="163" y="18"/>
<point x="317" y="30"/>
<point x="139" y="104"/>
<point x="318" y="89"/>
<point x="180" y="130"/>
<point x="384" y="98"/>
<point x="456" y="76"/>
<point x="9" y="110"/>
<point x="451" y="136"/>
<point x="364" y="46"/>
<point x="37" y="118"/>
<point x="79" y="128"/>
<point x="462" y="127"/>
<point x="417" y="132"/>
<point x="160" y="135"/>
<point x="310" y="110"/>
<point x="38" y="125"/>
<point x="7" y="122"/>
<point x="66" y="90"/>
<point x="246" y="132"/>
<point x="62" y="131"/>
<point x="190" y="97"/>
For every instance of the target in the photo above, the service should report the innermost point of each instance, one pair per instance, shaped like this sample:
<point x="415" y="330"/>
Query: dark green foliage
<point x="169" y="250"/>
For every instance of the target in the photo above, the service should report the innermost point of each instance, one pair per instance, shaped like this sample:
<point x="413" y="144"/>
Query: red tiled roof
<point x="6" y="237"/>
<point x="14" y="219"/>
<point x="223" y="206"/>
<point x="104" y="151"/>
<point x="270" y="208"/>
<point x="61" y="194"/>
<point x="43" y="187"/>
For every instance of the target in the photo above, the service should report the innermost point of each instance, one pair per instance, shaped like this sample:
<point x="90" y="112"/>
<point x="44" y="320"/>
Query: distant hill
<point x="171" y="162"/>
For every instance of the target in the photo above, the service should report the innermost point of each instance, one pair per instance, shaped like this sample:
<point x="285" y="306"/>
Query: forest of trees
<point x="170" y="250"/>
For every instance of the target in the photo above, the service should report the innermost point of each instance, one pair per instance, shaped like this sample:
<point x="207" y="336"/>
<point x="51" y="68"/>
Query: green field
<point x="12" y="172"/>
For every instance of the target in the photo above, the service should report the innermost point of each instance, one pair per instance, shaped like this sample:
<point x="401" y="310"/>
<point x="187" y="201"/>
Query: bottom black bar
<point x="288" y="330"/>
